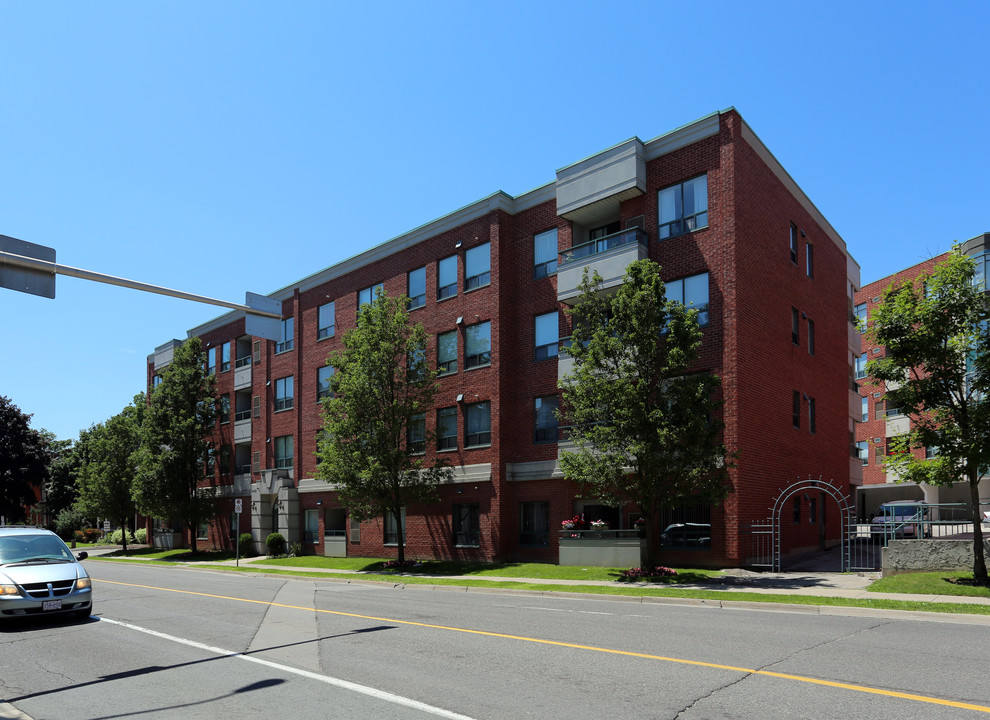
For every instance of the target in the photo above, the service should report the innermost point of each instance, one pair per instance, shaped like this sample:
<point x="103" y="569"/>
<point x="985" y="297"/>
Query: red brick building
<point x="877" y="420"/>
<point x="732" y="232"/>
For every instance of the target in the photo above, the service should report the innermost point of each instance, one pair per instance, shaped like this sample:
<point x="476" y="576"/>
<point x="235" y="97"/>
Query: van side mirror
<point x="82" y="555"/>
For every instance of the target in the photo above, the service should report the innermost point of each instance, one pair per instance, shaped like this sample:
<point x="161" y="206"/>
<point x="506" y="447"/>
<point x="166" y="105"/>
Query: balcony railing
<point x="623" y="237"/>
<point x="242" y="415"/>
<point x="242" y="361"/>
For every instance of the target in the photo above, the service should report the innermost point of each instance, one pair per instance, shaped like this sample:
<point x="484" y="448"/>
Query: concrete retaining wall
<point x="902" y="556"/>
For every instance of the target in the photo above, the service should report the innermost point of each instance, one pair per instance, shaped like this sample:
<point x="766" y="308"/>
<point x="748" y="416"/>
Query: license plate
<point x="51" y="605"/>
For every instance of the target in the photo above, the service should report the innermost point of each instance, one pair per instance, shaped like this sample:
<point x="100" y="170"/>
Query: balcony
<point x="242" y="372"/>
<point x="608" y="256"/>
<point x="242" y="429"/>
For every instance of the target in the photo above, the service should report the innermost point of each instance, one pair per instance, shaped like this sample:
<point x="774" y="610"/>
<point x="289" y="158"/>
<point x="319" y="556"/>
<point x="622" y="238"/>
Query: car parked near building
<point x="900" y="519"/>
<point x="39" y="575"/>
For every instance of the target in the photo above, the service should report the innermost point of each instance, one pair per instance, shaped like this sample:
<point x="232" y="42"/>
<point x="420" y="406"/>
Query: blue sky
<point x="222" y="147"/>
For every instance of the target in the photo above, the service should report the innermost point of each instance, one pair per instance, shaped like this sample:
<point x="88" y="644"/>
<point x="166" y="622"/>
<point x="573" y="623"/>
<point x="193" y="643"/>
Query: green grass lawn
<point x="931" y="583"/>
<point x="447" y="568"/>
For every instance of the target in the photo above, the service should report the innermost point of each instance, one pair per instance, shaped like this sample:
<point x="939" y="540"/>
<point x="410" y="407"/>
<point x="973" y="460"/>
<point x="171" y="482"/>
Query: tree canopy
<point x="936" y="369"/>
<point x="24" y="461"/>
<point x="106" y="483"/>
<point x="374" y="433"/>
<point x="175" y="442"/>
<point x="644" y="423"/>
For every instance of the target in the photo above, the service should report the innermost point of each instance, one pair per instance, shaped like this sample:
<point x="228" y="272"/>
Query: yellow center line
<point x="591" y="648"/>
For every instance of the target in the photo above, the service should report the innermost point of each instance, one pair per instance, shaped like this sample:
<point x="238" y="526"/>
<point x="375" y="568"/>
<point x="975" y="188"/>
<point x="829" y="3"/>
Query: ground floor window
<point x="312" y="526"/>
<point x="203" y="531"/>
<point x="534" y="524"/>
<point x="391" y="531"/>
<point x="688" y="527"/>
<point x="467" y="531"/>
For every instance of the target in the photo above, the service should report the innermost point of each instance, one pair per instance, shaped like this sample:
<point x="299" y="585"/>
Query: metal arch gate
<point x="765" y="552"/>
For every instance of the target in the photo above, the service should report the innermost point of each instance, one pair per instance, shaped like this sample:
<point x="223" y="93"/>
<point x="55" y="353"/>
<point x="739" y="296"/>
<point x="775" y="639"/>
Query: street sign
<point x="238" y="505"/>
<point x="269" y="328"/>
<point x="23" y="279"/>
<point x="106" y="526"/>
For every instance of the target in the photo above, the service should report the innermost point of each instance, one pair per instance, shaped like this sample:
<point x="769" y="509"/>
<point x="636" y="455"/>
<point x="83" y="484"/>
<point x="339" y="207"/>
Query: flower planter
<point x="606" y="548"/>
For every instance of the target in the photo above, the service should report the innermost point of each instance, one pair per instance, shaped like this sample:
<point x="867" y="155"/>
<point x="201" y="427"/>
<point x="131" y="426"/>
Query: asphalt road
<point x="183" y="643"/>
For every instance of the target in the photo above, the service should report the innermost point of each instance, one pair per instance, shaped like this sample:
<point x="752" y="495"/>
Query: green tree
<point x="936" y="369"/>
<point x="24" y="460"/>
<point x="644" y="424"/>
<point x="175" y="442"/>
<point x="67" y="459"/>
<point x="106" y="485"/>
<point x="380" y="387"/>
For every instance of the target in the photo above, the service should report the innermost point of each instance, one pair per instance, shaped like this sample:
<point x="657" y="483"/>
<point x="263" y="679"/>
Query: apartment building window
<point x="811" y="415"/>
<point x="156" y="381"/>
<point x="478" y="424"/>
<point x="285" y="337"/>
<point x="546" y="420"/>
<point x="416" y="434"/>
<point x="932" y="452"/>
<point x="534" y="524"/>
<point x="795" y="327"/>
<point x="796" y="409"/>
<point x="447" y="352"/>
<point x="811" y="336"/>
<point x="283" y="394"/>
<point x="311" y="525"/>
<point x="447" y="277"/>
<point x="447" y="428"/>
<point x="225" y="357"/>
<point x="478" y="267"/>
<point x="878" y="410"/>
<point x="368" y="294"/>
<point x="547" y="329"/>
<point x="810" y="266"/>
<point x="283" y="451"/>
<point x="692" y="292"/>
<point x="391" y="536"/>
<point x="225" y="459"/>
<point x="224" y="409"/>
<point x="323" y="375"/>
<point x="683" y="207"/>
<point x="863" y="451"/>
<point x="794" y="244"/>
<point x="211" y="361"/>
<point x="466" y="525"/>
<point x="859" y="313"/>
<point x="545" y="254"/>
<point x="417" y="288"/>
<point x="478" y="345"/>
<point x="864" y="407"/>
<point x="326" y="321"/>
<point x="861" y="366"/>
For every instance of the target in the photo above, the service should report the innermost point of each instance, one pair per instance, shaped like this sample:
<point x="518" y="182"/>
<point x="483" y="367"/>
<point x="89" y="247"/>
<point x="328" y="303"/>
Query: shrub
<point x="117" y="538"/>
<point x="275" y="544"/>
<point x="141" y="536"/>
<point x="68" y="521"/>
<point x="246" y="544"/>
<point x="295" y="549"/>
<point x="647" y="573"/>
<point x="92" y="534"/>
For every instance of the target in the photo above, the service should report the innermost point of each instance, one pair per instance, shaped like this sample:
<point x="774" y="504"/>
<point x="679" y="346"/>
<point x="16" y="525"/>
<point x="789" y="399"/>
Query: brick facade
<point x="744" y="246"/>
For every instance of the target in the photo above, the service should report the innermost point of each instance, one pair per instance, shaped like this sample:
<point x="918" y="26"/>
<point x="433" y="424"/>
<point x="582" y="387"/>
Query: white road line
<point x="337" y="682"/>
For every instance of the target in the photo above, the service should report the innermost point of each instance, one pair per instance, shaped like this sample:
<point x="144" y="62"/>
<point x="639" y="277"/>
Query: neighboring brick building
<point x="877" y="421"/>
<point x="731" y="230"/>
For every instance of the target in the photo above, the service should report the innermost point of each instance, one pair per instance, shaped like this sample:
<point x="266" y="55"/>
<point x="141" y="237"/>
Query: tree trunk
<point x="979" y="559"/>
<point x="123" y="534"/>
<point x="651" y="543"/>
<point x="193" y="531"/>
<point x="402" y="546"/>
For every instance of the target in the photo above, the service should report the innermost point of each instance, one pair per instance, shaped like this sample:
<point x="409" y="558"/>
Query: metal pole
<point x="54" y="268"/>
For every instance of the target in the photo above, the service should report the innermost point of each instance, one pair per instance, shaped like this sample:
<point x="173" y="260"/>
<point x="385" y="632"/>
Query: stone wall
<point x="902" y="556"/>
